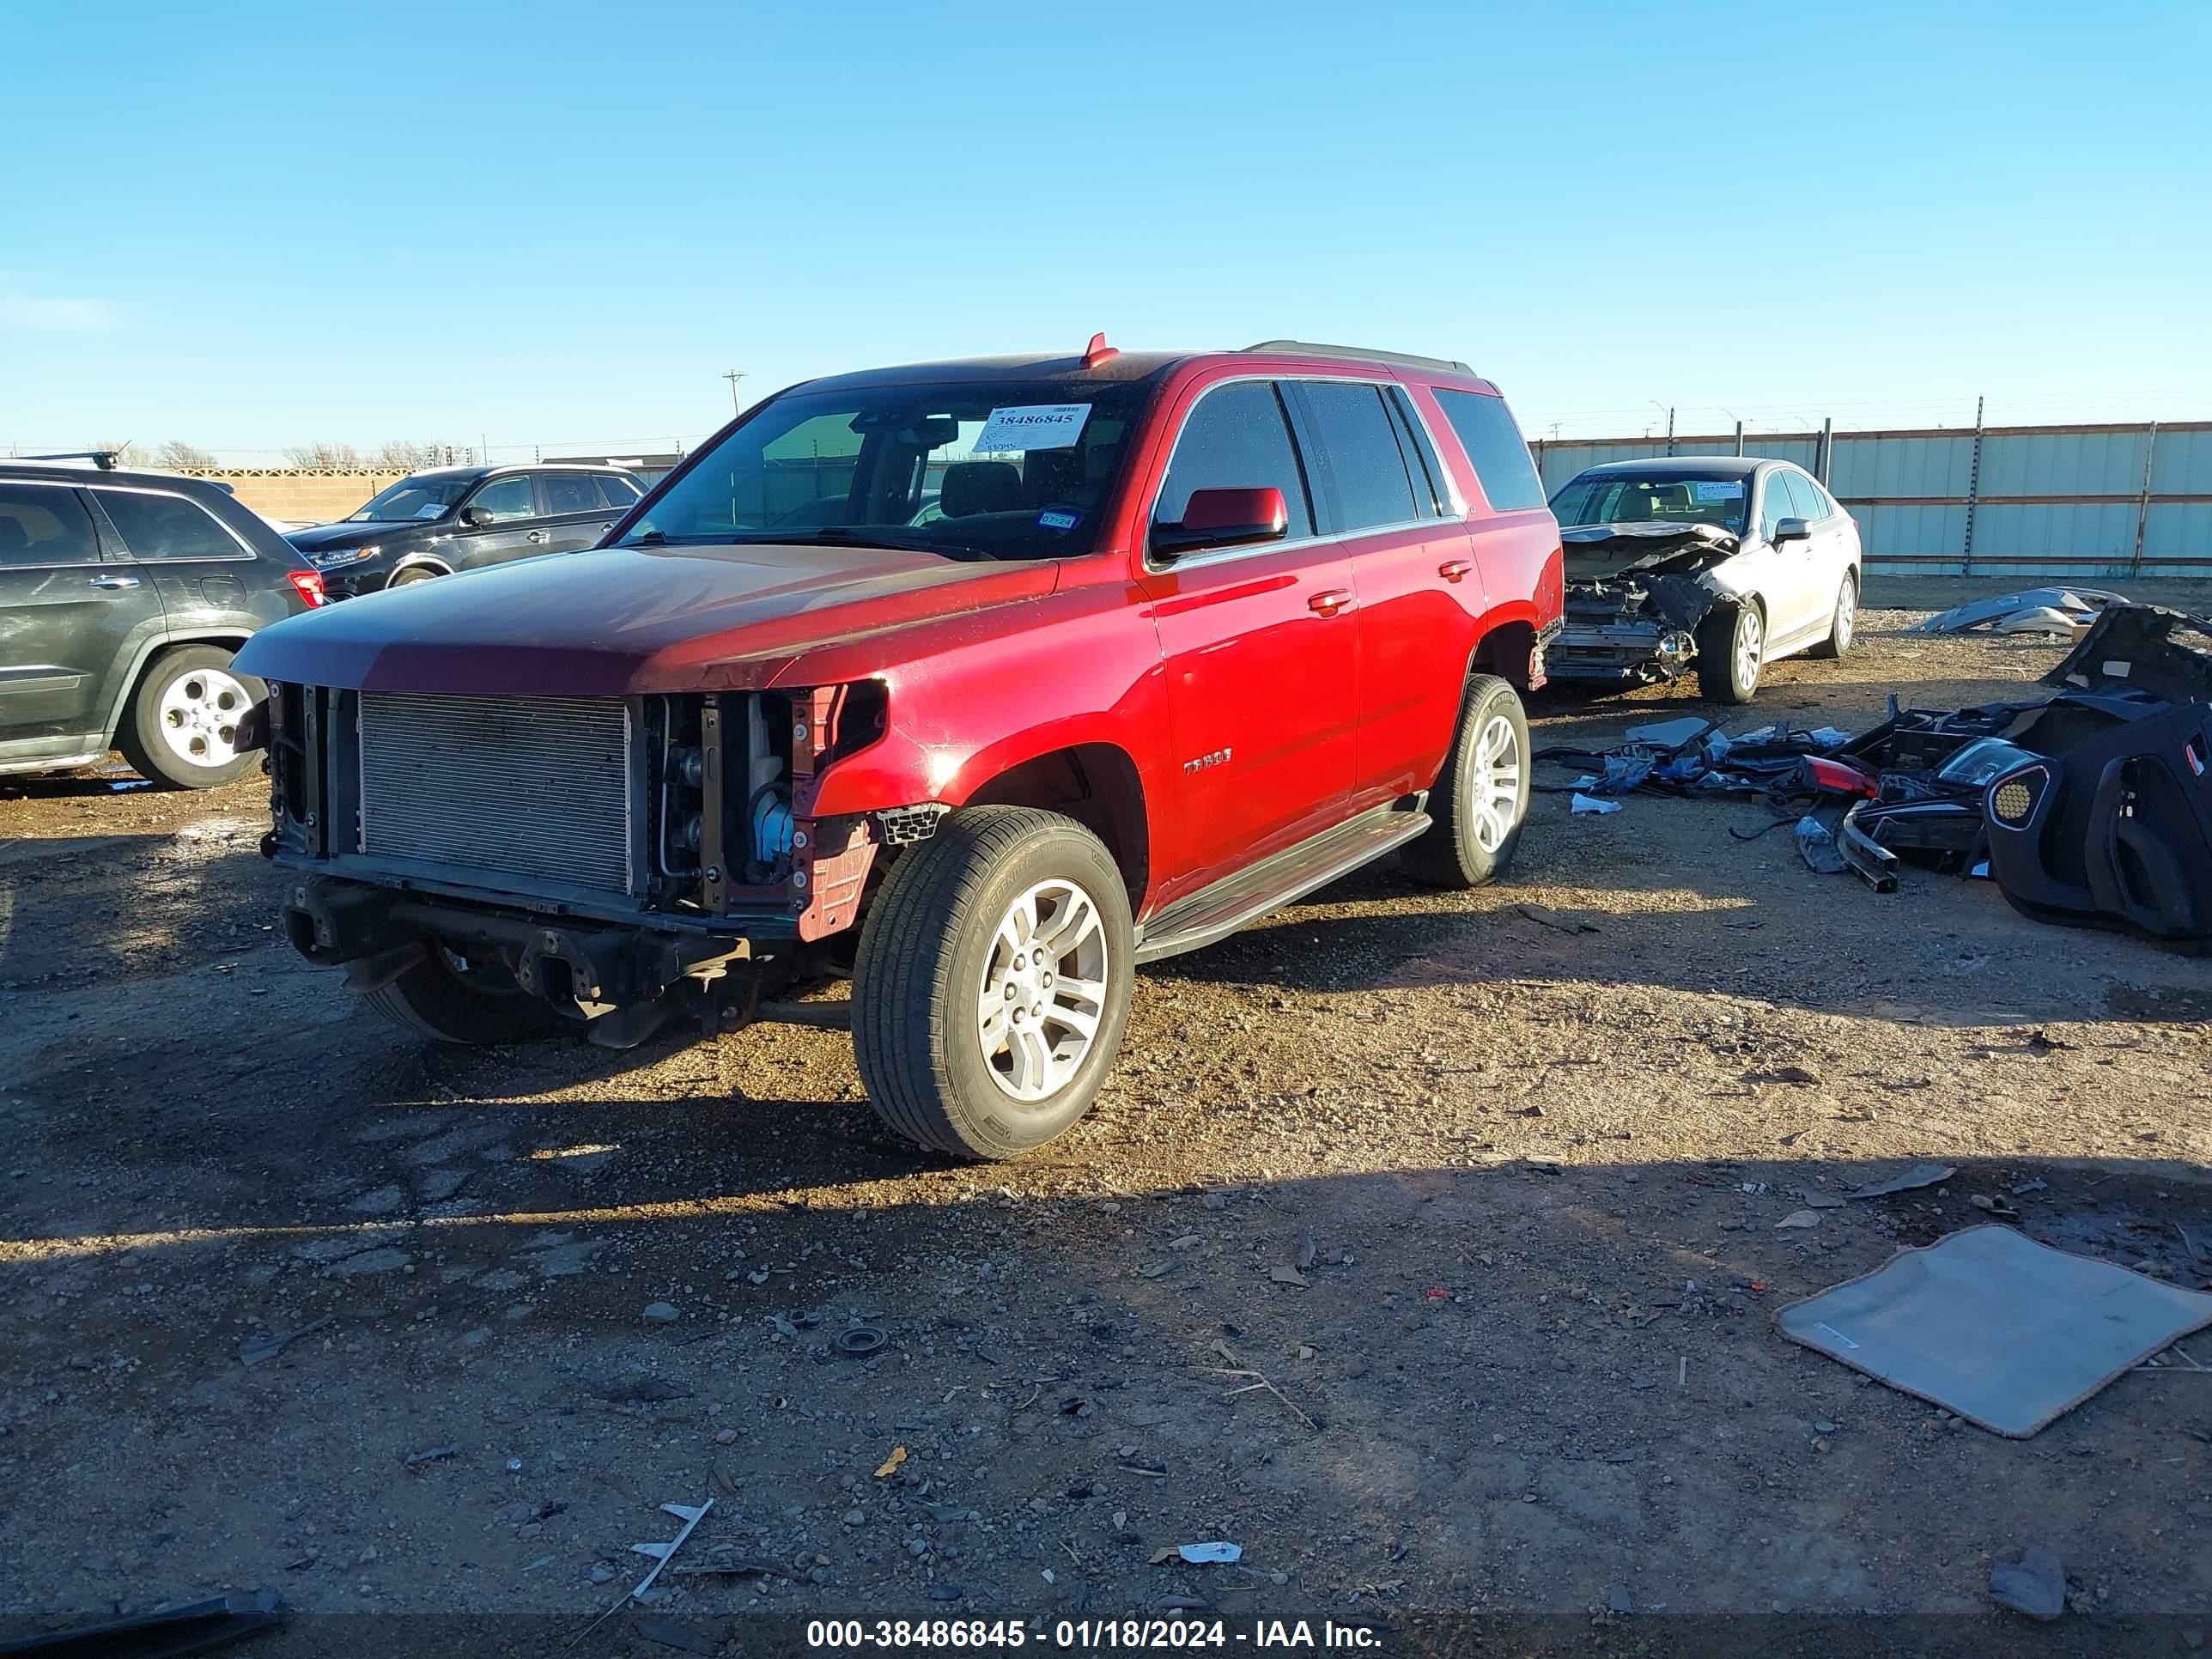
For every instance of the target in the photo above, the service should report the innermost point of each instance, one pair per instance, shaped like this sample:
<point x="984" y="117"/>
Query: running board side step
<point x="1220" y="908"/>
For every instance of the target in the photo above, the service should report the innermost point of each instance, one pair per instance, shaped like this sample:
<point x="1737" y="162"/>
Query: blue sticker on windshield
<point x="1725" y="490"/>
<point x="1052" y="519"/>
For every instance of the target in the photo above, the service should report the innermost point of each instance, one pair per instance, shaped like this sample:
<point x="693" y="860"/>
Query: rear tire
<point x="1731" y="653"/>
<point x="1480" y="799"/>
<point x="478" y="1005"/>
<point x="414" y="573"/>
<point x="1844" y="624"/>
<point x="971" y="1041"/>
<point x="183" y="721"/>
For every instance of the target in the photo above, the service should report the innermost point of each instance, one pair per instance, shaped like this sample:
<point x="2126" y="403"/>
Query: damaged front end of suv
<point x="1637" y="597"/>
<point x="520" y="865"/>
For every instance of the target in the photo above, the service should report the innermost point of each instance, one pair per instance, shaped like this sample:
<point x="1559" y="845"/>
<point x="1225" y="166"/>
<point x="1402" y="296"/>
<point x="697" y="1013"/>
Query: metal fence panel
<point x="2059" y="501"/>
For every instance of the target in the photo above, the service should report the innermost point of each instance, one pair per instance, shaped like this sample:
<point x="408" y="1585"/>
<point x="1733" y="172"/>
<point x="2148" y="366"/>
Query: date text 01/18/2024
<point x="1086" y="1633"/>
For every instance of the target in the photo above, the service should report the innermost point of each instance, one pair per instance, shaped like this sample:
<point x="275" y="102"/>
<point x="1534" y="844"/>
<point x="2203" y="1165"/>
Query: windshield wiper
<point x="662" y="539"/>
<point x="842" y="535"/>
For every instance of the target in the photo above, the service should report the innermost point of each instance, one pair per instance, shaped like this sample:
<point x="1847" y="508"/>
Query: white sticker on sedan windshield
<point x="1725" y="490"/>
<point x="430" y="510"/>
<point x="1031" y="426"/>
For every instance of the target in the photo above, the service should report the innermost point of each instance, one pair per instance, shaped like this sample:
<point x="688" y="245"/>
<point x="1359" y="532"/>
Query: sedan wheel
<point x="1731" y="652"/>
<point x="1846" y="619"/>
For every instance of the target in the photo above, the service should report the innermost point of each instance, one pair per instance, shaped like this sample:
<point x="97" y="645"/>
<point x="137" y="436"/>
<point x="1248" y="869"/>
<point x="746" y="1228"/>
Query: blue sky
<point x="249" y="226"/>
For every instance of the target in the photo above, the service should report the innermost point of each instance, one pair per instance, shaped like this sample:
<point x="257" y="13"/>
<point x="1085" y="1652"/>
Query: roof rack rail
<point x="1360" y="354"/>
<point x="102" y="458"/>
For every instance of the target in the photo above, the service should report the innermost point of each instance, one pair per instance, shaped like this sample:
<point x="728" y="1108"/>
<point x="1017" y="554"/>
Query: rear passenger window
<point x="571" y="492"/>
<point x="616" y="492"/>
<point x="44" y="525"/>
<point x="1494" y="444"/>
<point x="1812" y="504"/>
<point x="1363" y="463"/>
<point x="1235" y="438"/>
<point x="168" y="527"/>
<point x="1429" y="492"/>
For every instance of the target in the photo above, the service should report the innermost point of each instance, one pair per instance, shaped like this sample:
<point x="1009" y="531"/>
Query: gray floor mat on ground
<point x="2003" y="1331"/>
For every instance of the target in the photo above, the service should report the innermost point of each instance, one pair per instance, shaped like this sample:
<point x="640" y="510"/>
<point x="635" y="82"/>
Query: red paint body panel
<point x="1261" y="694"/>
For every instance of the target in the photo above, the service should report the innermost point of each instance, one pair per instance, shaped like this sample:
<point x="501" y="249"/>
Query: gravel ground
<point x="1490" y="1206"/>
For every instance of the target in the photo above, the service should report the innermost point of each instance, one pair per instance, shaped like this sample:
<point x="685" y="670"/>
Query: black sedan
<point x="458" y="518"/>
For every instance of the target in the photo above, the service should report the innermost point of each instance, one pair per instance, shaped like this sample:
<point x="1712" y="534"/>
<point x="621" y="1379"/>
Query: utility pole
<point x="733" y="377"/>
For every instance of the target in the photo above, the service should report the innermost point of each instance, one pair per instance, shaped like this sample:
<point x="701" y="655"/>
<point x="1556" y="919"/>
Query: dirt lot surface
<point x="1534" y="1177"/>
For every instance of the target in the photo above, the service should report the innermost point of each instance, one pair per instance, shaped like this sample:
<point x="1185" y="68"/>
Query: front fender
<point x="975" y="708"/>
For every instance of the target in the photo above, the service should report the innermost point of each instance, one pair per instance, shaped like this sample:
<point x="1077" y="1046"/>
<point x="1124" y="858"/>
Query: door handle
<point x="1329" y="601"/>
<point x="604" y="528"/>
<point x="535" y="536"/>
<point x="115" y="581"/>
<point x="1452" y="569"/>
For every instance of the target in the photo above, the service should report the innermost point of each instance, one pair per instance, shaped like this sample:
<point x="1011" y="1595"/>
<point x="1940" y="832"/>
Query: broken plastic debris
<point x="1586" y="803"/>
<point x="1828" y="737"/>
<point x="1920" y="1175"/>
<point x="1205" y="1553"/>
<point x="889" y="1465"/>
<point x="1817" y="843"/>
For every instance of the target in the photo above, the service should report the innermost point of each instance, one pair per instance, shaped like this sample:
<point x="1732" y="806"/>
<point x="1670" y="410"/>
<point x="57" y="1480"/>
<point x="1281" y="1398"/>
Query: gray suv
<point x="123" y="597"/>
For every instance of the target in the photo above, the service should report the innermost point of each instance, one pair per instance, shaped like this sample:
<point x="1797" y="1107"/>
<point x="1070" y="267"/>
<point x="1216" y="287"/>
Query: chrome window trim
<point x="1458" y="515"/>
<point x="93" y="563"/>
<point x="244" y="548"/>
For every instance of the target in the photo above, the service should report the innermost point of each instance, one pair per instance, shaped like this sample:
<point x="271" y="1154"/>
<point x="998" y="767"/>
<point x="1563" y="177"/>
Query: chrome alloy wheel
<point x="1750" y="639"/>
<point x="1847" y="614"/>
<point x="1496" y="793"/>
<point x="1043" y="990"/>
<point x="199" y="715"/>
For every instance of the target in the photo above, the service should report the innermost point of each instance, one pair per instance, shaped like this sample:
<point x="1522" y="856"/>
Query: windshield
<point x="991" y="469"/>
<point x="412" y="498"/>
<point x="1693" y="495"/>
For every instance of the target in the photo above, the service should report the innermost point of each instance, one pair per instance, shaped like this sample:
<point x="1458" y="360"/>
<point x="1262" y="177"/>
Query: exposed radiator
<point x="535" y="787"/>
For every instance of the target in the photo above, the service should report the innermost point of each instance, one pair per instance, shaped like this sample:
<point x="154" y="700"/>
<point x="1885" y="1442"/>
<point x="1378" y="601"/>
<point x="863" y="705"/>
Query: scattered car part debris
<point x="1252" y="1380"/>
<point x="264" y="1346"/>
<point x="889" y="1467"/>
<point x="1585" y="805"/>
<point x="1799" y="1219"/>
<point x="1920" y="1175"/>
<point x="1995" y="1328"/>
<point x="860" y="1340"/>
<point x="1995" y="1207"/>
<point x="2073" y="607"/>
<point x="2034" y="1584"/>
<point x="690" y="1515"/>
<point x="166" y="1633"/>
<point x="1205" y="1554"/>
<point x="1816" y="845"/>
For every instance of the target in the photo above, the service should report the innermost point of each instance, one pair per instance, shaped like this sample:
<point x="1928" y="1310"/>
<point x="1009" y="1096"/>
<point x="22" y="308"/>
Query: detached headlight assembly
<point x="339" y="557"/>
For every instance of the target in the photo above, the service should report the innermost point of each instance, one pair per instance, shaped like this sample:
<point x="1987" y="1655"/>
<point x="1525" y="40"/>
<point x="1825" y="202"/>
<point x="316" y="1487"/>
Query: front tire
<point x="1481" y="797"/>
<point x="449" y="999"/>
<point x="1844" y="622"/>
<point x="182" y="731"/>
<point x="1731" y="653"/>
<point x="993" y="983"/>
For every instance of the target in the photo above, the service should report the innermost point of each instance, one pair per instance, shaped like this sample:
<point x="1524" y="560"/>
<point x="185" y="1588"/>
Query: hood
<point x="1595" y="551"/>
<point x="620" y="620"/>
<point x="329" y="538"/>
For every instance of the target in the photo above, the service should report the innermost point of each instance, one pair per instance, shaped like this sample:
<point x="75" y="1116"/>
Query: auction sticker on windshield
<point x="1725" y="490"/>
<point x="1031" y="426"/>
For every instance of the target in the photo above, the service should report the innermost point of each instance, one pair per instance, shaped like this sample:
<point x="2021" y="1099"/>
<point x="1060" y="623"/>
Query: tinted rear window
<point x="1360" y="453"/>
<point x="1495" y="445"/>
<point x="571" y="492"/>
<point x="168" y="527"/>
<point x="616" y="492"/>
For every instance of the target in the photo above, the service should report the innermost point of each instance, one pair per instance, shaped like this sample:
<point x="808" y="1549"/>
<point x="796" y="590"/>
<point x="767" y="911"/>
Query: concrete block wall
<point x="307" y="495"/>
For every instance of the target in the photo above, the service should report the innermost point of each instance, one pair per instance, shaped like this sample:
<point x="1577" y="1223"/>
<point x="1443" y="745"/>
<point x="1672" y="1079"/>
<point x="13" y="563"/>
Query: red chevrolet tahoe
<point x="983" y="683"/>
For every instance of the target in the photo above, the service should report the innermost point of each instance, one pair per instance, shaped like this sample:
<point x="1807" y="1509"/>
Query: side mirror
<point x="473" y="516"/>
<point x="1791" y="530"/>
<point x="1224" y="517"/>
